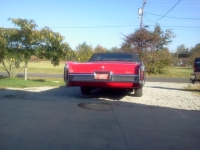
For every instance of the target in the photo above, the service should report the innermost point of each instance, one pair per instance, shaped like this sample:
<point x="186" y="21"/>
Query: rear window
<point x="197" y="62"/>
<point x="112" y="57"/>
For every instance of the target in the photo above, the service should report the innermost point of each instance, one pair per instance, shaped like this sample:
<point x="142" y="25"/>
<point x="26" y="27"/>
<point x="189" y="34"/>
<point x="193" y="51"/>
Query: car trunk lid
<point x="114" y="67"/>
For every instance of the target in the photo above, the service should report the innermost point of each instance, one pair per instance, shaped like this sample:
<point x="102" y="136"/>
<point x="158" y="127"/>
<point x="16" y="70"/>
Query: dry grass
<point x="194" y="88"/>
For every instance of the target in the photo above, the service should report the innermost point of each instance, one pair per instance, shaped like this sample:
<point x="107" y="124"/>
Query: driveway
<point x="61" y="118"/>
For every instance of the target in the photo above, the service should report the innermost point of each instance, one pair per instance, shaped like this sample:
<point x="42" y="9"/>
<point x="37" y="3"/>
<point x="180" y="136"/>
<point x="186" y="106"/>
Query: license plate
<point x="101" y="76"/>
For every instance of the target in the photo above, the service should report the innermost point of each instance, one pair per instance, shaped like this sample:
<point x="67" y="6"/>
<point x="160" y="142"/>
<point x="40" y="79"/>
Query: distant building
<point x="184" y="59"/>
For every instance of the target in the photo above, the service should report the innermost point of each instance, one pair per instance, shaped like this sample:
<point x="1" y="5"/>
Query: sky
<point x="105" y="22"/>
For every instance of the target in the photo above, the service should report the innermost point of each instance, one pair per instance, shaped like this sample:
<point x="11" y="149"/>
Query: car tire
<point x="85" y="90"/>
<point x="138" y="92"/>
<point x="193" y="81"/>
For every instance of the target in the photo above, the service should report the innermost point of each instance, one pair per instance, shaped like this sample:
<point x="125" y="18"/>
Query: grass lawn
<point x="41" y="67"/>
<point x="175" y="72"/>
<point x="31" y="82"/>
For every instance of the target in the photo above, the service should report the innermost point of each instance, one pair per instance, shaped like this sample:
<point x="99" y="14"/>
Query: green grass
<point x="31" y="82"/>
<point x="41" y="67"/>
<point x="175" y="72"/>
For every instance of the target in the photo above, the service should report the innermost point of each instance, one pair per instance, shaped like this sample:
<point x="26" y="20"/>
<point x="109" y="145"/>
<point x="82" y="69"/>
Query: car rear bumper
<point x="128" y="85"/>
<point x="113" y="81"/>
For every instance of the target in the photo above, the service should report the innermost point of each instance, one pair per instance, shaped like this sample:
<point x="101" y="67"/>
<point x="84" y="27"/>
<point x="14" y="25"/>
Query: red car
<point x="107" y="70"/>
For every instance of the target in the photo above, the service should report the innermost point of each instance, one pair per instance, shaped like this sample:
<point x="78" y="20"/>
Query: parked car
<point x="107" y="70"/>
<point x="196" y="76"/>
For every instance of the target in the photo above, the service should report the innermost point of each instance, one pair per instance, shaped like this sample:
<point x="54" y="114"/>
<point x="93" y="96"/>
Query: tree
<point x="52" y="47"/>
<point x="84" y="52"/>
<point x="140" y="40"/>
<point x="19" y="44"/>
<point x="195" y="49"/>
<point x="156" y="61"/>
<point x="25" y="40"/>
<point x="99" y="49"/>
<point x="114" y="49"/>
<point x="143" y="39"/>
<point x="181" y="49"/>
<point x="151" y="47"/>
<point x="164" y="37"/>
<point x="10" y="54"/>
<point x="195" y="52"/>
<point x="126" y="47"/>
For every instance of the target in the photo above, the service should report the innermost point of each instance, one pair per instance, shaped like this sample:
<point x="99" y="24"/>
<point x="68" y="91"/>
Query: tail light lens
<point x="66" y="73"/>
<point x="142" y="73"/>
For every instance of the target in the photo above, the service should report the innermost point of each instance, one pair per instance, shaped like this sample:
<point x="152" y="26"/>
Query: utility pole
<point x="141" y="13"/>
<point x="177" y="55"/>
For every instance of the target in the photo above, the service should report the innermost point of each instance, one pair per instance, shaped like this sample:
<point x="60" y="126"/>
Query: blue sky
<point x="104" y="22"/>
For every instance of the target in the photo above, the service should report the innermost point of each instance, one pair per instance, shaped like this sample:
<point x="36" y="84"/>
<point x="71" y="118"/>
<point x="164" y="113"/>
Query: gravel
<point x="171" y="95"/>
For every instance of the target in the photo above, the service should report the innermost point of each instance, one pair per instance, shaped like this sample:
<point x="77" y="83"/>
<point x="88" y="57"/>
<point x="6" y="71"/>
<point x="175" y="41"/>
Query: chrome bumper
<point x="112" y="78"/>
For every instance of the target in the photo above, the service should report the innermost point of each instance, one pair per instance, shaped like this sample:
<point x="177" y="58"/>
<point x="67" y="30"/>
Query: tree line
<point x="183" y="52"/>
<point x="18" y="45"/>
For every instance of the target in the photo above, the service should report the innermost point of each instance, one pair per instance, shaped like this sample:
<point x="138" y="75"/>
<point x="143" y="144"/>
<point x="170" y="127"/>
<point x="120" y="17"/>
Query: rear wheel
<point x="85" y="90"/>
<point x="138" y="92"/>
<point x="193" y="81"/>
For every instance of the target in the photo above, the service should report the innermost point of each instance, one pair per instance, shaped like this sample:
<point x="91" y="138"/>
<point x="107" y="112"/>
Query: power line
<point x="90" y="27"/>
<point x="188" y="27"/>
<point x="172" y="17"/>
<point x="168" y="11"/>
<point x="121" y="26"/>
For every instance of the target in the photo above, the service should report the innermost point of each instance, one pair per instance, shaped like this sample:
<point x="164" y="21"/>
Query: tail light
<point x="66" y="73"/>
<point x="142" y="73"/>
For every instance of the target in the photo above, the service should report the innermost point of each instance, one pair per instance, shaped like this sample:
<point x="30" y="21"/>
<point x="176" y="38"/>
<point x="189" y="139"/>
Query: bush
<point x="156" y="61"/>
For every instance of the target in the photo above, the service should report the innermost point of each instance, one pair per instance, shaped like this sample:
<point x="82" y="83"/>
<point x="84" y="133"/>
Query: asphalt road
<point x="53" y="125"/>
<point x="78" y="124"/>
<point x="149" y="79"/>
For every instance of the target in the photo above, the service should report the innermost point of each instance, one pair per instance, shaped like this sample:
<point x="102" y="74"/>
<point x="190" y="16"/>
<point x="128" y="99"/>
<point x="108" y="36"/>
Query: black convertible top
<point x="115" y="56"/>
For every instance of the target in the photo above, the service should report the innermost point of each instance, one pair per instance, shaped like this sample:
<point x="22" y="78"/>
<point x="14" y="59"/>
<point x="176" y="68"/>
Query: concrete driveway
<point x="53" y="125"/>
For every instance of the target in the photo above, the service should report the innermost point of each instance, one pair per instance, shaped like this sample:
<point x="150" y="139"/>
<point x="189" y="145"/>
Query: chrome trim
<point x="66" y="78"/>
<point x="81" y="77"/>
<point x="112" y="78"/>
<point x="142" y="68"/>
<point x="129" y="78"/>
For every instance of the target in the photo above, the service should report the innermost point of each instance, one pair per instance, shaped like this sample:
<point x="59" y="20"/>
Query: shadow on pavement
<point x="159" y="87"/>
<point x="52" y="119"/>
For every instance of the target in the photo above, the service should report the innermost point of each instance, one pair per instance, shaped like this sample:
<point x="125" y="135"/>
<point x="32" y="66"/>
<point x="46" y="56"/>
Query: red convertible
<point x="107" y="70"/>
